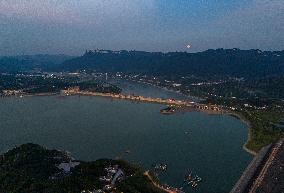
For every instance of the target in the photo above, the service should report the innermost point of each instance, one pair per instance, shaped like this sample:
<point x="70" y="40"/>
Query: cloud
<point x="56" y="26"/>
<point x="260" y="24"/>
<point x="59" y="25"/>
<point x="75" y="11"/>
<point x="39" y="10"/>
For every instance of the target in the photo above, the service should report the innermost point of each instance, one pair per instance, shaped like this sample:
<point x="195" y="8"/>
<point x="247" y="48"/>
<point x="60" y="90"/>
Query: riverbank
<point x="184" y="105"/>
<point x="248" y="123"/>
<point x="32" y="95"/>
<point x="229" y="112"/>
<point x="116" y="123"/>
<point x="41" y="94"/>
<point x="210" y="109"/>
<point x="167" y="89"/>
<point x="264" y="117"/>
<point x="162" y="187"/>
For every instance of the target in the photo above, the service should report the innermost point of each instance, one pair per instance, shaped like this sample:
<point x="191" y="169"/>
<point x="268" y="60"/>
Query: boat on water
<point x="197" y="179"/>
<point x="161" y="167"/>
<point x="192" y="180"/>
<point x="194" y="184"/>
<point x="188" y="178"/>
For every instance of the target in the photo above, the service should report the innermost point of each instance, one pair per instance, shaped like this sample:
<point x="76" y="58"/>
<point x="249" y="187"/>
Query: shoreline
<point x="40" y="94"/>
<point x="169" y="190"/>
<point x="230" y="112"/>
<point x="248" y="123"/>
<point x="166" y="89"/>
<point x="165" y="102"/>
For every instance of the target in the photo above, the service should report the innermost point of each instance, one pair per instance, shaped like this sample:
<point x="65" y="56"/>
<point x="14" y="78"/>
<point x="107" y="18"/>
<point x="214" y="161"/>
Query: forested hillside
<point x="220" y="62"/>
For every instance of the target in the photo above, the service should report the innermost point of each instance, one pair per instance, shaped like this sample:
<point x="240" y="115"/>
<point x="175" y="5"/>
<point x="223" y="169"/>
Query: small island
<point x="35" y="169"/>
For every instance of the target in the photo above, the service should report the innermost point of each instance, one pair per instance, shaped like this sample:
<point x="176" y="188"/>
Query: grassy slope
<point x="264" y="129"/>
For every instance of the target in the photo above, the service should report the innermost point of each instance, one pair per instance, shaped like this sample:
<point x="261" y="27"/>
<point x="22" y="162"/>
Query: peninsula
<point x="40" y="170"/>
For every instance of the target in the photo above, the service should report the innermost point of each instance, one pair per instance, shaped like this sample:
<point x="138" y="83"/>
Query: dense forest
<point x="12" y="64"/>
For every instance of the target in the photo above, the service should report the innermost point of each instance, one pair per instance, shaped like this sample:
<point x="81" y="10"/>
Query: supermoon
<point x="188" y="46"/>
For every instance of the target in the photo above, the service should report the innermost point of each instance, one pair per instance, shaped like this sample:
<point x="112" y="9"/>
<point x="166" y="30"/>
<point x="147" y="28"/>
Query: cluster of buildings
<point x="113" y="175"/>
<point x="67" y="166"/>
<point x="71" y="90"/>
<point x="94" y="191"/>
<point x="208" y="107"/>
<point x="12" y="92"/>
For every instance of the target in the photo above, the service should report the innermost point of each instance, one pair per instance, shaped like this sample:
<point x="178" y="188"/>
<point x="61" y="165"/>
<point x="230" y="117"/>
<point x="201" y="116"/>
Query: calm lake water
<point x="137" y="88"/>
<point x="95" y="127"/>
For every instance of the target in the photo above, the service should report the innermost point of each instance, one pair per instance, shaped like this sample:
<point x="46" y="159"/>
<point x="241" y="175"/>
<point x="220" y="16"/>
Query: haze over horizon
<point x="70" y="27"/>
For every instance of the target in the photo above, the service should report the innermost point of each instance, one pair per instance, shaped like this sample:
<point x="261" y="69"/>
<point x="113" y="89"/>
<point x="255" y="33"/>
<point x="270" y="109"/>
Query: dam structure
<point x="263" y="175"/>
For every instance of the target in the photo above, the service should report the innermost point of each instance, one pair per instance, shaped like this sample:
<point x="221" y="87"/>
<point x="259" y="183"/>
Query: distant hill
<point x="31" y="62"/>
<point x="210" y="63"/>
<point x="219" y="62"/>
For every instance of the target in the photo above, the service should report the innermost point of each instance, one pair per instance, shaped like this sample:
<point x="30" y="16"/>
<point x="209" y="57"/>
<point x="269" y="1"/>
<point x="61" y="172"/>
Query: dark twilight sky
<point x="72" y="26"/>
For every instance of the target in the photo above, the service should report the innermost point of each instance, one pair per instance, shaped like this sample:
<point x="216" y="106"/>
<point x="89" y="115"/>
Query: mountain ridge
<point x="219" y="62"/>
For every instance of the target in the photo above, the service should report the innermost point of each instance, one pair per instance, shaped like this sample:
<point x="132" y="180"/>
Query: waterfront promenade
<point x="181" y="103"/>
<point x="164" y="188"/>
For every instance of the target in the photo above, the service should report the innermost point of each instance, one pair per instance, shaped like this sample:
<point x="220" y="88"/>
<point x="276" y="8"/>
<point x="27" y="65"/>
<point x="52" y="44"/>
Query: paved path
<point x="169" y="190"/>
<point x="203" y="107"/>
